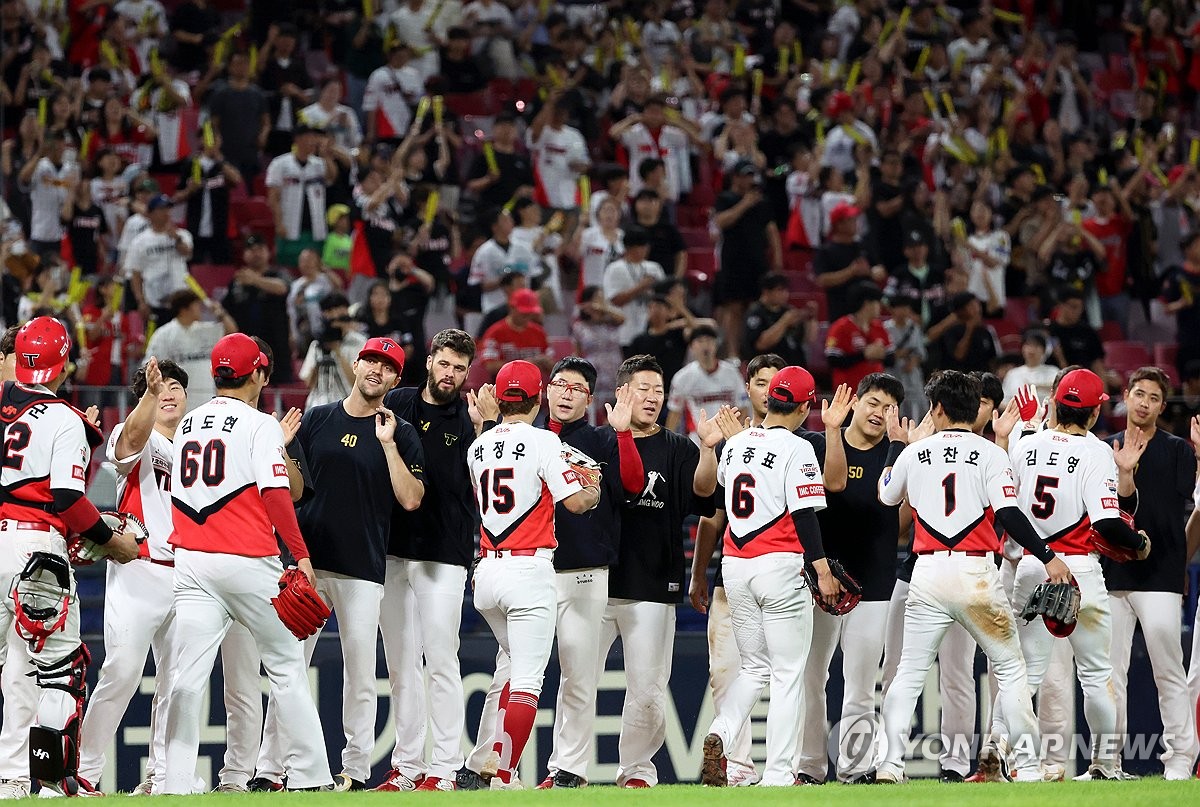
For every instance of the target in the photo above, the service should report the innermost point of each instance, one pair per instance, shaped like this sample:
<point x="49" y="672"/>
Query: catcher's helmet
<point x="1058" y="627"/>
<point x="42" y="346"/>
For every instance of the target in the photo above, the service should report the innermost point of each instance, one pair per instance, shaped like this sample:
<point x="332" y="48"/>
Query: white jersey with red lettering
<point x="1065" y="482"/>
<point x="767" y="475"/>
<point x="518" y="474"/>
<point x="954" y="481"/>
<point x="694" y="388"/>
<point x="144" y="489"/>
<point x="47" y="446"/>
<point x="226" y="453"/>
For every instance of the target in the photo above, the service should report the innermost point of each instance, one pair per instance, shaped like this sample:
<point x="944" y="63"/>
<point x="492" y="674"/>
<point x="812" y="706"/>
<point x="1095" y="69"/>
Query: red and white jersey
<point x="694" y="388"/>
<point x="226" y="453"/>
<point x="171" y="125"/>
<point x="1065" y="482"/>
<point x="389" y="96"/>
<point x="768" y="475"/>
<point x="47" y="445"/>
<point x="299" y="184"/>
<point x="144" y="489"/>
<point x="518" y="474"/>
<point x="596" y="252"/>
<point x="954" y="481"/>
<point x="669" y="144"/>
<point x="553" y="153"/>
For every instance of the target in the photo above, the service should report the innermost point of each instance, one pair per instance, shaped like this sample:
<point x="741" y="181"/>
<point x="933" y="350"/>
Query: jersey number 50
<point x="205" y="462"/>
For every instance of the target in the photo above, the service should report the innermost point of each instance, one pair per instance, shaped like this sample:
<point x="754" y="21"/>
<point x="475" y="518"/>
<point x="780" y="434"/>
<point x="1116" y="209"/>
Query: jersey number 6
<point x="743" y="499"/>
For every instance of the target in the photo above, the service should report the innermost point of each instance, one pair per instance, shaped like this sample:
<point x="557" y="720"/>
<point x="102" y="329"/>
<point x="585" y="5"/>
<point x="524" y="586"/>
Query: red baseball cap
<point x="793" y="385"/>
<point x="1080" y="389"/>
<point x="237" y="355"/>
<point x="843" y="211"/>
<point x="838" y="103"/>
<point x="526" y="301"/>
<point x="384" y="349"/>
<point x="518" y="381"/>
<point x="43" y="346"/>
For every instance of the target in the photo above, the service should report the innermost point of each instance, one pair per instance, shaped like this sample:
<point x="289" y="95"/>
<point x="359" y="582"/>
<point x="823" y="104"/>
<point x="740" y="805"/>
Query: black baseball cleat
<point x="467" y="779"/>
<point x="950" y="777"/>
<point x="867" y="778"/>
<point x="568" y="779"/>
<point x="261" y="784"/>
<point x="805" y="779"/>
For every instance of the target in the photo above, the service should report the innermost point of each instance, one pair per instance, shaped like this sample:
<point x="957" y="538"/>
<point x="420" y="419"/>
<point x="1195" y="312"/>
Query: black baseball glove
<point x="1057" y="604"/>
<point x="851" y="590"/>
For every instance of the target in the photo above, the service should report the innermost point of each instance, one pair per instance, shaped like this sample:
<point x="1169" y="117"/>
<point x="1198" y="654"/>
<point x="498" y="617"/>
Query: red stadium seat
<point x="1017" y="312"/>
<point x="1165" y="355"/>
<point x="1125" y="357"/>
<point x="696" y="237"/>
<point x="800" y="299"/>
<point x="702" y="263"/>
<point x="212" y="276"/>
<point x="561" y="347"/>
<point x="1010" y="343"/>
<point x="470" y="103"/>
<point x="690" y="215"/>
<point x="1111" y="332"/>
<point x="798" y="261"/>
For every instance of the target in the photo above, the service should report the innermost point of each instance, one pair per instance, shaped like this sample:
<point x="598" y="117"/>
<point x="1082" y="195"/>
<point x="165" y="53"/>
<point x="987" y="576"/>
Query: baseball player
<point x="230" y="494"/>
<point x="647" y="581"/>
<point x="724" y="661"/>
<point x="860" y="532"/>
<point x="1067" y="480"/>
<point x="518" y="474"/>
<point x="586" y="548"/>
<point x="772" y="488"/>
<point x="958" y="486"/>
<point x="428" y="555"/>
<point x="47" y="449"/>
<point x="138" y="597"/>
<point x="1149" y="592"/>
<point x="362" y="457"/>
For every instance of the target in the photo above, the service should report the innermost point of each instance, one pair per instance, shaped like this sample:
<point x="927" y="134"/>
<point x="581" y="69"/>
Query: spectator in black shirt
<point x="239" y="112"/>
<point x="192" y="22"/>
<point x="918" y="278"/>
<point x="969" y="345"/>
<point x="667" y="247"/>
<point x="461" y="72"/>
<point x="204" y="185"/>
<point x="257" y="301"/>
<point x="1181" y="294"/>
<point x="85" y="224"/>
<point x="750" y="247"/>
<point x="285" y="78"/>
<point x="774" y="326"/>
<point x="887" y="203"/>
<point x="778" y="145"/>
<point x="668" y="328"/>
<point x="514" y="172"/>
<point x="1075" y="341"/>
<point x="841" y="260"/>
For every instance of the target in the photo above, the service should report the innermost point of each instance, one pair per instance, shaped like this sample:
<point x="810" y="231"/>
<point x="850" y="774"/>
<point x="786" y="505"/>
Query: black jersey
<point x="346" y="521"/>
<point x="1165" y="478"/>
<point x="650" y="563"/>
<point x="443" y="529"/>
<point x="858" y="529"/>
<point x="589" y="540"/>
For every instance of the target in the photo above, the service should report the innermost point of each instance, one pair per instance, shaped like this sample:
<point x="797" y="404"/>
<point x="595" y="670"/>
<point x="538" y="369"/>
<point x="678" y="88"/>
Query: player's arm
<point x="562" y="482"/>
<point x="140" y="423"/>
<point x="704" y="481"/>
<point x="803" y="503"/>
<point x="67" y="487"/>
<point x="707" y="534"/>
<point x="633" y="472"/>
<point x="1001" y="491"/>
<point x="893" y="482"/>
<point x="833" y="414"/>
<point x="406" y="487"/>
<point x="269" y="465"/>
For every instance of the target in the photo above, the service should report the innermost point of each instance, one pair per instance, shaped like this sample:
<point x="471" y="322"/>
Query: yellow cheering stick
<point x="109" y="53"/>
<point x="156" y="66"/>
<point x="855" y="135"/>
<point x="422" y="110"/>
<point x="958" y="229"/>
<point x="756" y="79"/>
<point x="931" y="102"/>
<point x="439" y="106"/>
<point x="437" y="12"/>
<point x="118" y="295"/>
<point x="368" y="9"/>
<point x="208" y="135"/>
<point x="219" y="51"/>
<point x="80" y="334"/>
<point x="797" y="53"/>
<point x="820" y="132"/>
<point x="1102" y="175"/>
<point x="631" y="32"/>
<point x="781" y="67"/>
<point x="554" y="76"/>
<point x="1159" y="175"/>
<point x="852" y="79"/>
<point x="197" y="172"/>
<point x="543" y="9"/>
<point x="922" y="60"/>
<point x="508" y="206"/>
<point x="885" y="32"/>
<point x="948" y="102"/>
<point x="253" y="59"/>
<point x="739" y="61"/>
<point x="41" y="113"/>
<point x="556" y="222"/>
<point x="959" y="61"/>
<point x="197" y="289"/>
<point x="1039" y="173"/>
<point x="598" y="58"/>
<point x="1194" y="152"/>
<point x="85" y="148"/>
<point x="904" y="15"/>
<point x="1002" y="140"/>
<point x="431" y="207"/>
<point x="585" y="194"/>
<point x="1008" y="16"/>
<point x="489" y="157"/>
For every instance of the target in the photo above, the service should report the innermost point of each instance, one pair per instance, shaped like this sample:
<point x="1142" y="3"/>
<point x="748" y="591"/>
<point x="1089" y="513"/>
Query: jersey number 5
<point x="1045" y="499"/>
<point x="207" y="463"/>
<point x="495" y="491"/>
<point x="743" y="500"/>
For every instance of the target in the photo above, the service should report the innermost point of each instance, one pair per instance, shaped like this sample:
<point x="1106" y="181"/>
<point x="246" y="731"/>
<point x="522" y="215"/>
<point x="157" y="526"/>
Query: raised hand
<point x="154" y="377"/>
<point x="1004" y="422"/>
<point x="620" y="416"/>
<point x="923" y="429"/>
<point x="385" y="425"/>
<point x="707" y="430"/>
<point x="835" y="410"/>
<point x="730" y="422"/>
<point x="1196" y="433"/>
<point x="1128" y="453"/>
<point x="1027" y="402"/>
<point x="897" y="427"/>
<point x="290" y="423"/>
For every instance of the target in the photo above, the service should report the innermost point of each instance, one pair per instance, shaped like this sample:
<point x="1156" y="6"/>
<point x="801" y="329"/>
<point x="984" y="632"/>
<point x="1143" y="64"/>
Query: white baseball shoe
<point x="888" y="776"/>
<point x="1053" y="772"/>
<point x="497" y="784"/>
<point x="14" y="788"/>
<point x="144" y="789"/>
<point x="740" y="775"/>
<point x="231" y="787"/>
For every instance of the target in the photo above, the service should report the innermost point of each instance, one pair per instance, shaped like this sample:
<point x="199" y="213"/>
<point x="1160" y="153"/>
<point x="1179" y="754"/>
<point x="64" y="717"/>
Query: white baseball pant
<point x="420" y="617"/>
<point x="242" y="676"/>
<point x="956" y="681"/>
<point x="1193" y="670"/>
<point x="582" y="598"/>
<point x="772" y="613"/>
<point x="1091" y="641"/>
<point x="482" y="755"/>
<point x="724" y="661"/>
<point x="20" y="709"/>
<point x="861" y="636"/>
<point x="1159" y="613"/>
<point x="139" y="607"/>
<point x="1056" y="707"/>
<point x="356" y="603"/>
<point x="955" y="587"/>
<point x="647" y="631"/>
<point x="212" y="590"/>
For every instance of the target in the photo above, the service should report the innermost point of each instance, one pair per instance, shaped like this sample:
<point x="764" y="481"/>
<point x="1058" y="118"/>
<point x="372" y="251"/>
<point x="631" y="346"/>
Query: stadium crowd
<point x="857" y="187"/>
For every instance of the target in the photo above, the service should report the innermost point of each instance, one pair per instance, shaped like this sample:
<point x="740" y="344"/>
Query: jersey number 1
<point x="948" y="491"/>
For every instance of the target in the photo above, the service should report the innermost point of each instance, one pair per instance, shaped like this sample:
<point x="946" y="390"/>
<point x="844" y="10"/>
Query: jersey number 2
<point x="207" y="463"/>
<point x="497" y="492"/>
<point x="15" y="442"/>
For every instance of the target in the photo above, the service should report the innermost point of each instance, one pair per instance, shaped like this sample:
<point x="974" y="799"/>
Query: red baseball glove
<point x="1122" y="554"/>
<point x="300" y="607"/>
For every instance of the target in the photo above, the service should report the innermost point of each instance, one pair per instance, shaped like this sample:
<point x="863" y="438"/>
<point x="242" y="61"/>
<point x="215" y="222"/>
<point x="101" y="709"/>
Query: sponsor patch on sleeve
<point x="1109" y="503"/>
<point x="804" y="491"/>
<point x="570" y="477"/>
<point x="1010" y="492"/>
<point x="279" y="470"/>
<point x="77" y="472"/>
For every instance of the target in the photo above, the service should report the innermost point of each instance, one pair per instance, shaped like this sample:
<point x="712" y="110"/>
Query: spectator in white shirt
<point x="497" y="257"/>
<point x="559" y="152"/>
<point x="305" y="295"/>
<point x="706" y="383"/>
<point x="188" y="340"/>
<point x="1034" y="371"/>
<point x="416" y="25"/>
<point x="296" y="183"/>
<point x="629" y="284"/>
<point x="492" y="27"/>
<point x="390" y="93"/>
<point x="328" y="367"/>
<point x="157" y="261"/>
<point x="647" y="135"/>
<point x="47" y="176"/>
<point x="841" y="140"/>
<point x="332" y="117"/>
<point x="988" y="251"/>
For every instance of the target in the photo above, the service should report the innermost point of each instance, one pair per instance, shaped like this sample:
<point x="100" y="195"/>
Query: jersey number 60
<point x="207" y="463"/>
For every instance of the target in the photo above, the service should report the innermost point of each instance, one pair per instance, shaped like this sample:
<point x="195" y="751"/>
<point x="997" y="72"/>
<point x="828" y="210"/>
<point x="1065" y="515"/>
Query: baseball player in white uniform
<point x="518" y="474"/>
<point x="47" y="448"/>
<point x="1067" y="480"/>
<point x="958" y="486"/>
<point x="229" y="487"/>
<point x="138" y="597"/>
<point x="772" y="489"/>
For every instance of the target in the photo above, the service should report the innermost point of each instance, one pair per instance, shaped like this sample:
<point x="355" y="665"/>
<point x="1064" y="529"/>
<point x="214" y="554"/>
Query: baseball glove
<point x="586" y="468"/>
<point x="300" y="608"/>
<point x="1057" y="604"/>
<point x="1122" y="554"/>
<point x="84" y="552"/>
<point x="851" y="590"/>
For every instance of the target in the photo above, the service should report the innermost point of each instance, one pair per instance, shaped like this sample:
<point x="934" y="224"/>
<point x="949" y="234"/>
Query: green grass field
<point x="913" y="794"/>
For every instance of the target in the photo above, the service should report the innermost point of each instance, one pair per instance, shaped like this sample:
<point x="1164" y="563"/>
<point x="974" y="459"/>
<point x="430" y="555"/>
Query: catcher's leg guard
<point x="54" y="745"/>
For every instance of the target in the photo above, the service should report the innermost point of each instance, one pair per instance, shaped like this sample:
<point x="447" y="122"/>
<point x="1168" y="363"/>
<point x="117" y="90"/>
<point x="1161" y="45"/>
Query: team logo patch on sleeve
<point x="279" y="470"/>
<point x="77" y="472"/>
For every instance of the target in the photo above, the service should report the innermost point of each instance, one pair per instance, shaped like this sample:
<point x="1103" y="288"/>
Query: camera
<point x="331" y="332"/>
